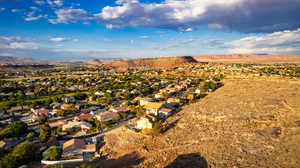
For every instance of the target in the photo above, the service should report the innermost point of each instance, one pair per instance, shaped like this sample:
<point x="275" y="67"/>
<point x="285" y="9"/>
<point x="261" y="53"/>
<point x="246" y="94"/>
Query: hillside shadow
<point x="192" y="160"/>
<point x="125" y="161"/>
<point x="169" y="126"/>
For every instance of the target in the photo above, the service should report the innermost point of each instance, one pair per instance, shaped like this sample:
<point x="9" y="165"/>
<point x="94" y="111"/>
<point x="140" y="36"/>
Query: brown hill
<point x="249" y="58"/>
<point x="150" y="63"/>
<point x="246" y="123"/>
<point x="20" y="61"/>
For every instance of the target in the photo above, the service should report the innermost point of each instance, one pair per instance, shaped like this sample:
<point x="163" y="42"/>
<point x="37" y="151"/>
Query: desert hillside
<point x="243" y="124"/>
<point x="149" y="63"/>
<point x="248" y="58"/>
<point x="20" y="61"/>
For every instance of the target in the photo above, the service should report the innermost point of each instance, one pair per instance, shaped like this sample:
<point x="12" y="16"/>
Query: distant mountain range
<point x="249" y="58"/>
<point x="4" y="60"/>
<point x="163" y="62"/>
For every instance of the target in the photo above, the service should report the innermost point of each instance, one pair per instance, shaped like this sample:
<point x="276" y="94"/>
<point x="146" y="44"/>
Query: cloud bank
<point x="285" y="42"/>
<point x="245" y="16"/>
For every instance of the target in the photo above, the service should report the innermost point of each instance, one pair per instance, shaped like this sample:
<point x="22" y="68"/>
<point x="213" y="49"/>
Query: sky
<point x="122" y="29"/>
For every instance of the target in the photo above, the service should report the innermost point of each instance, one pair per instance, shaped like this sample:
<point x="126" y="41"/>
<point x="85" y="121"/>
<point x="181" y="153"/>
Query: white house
<point x="153" y="107"/>
<point x="144" y="122"/>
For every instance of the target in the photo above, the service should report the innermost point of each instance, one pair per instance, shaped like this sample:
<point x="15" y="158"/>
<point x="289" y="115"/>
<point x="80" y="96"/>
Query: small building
<point x="174" y="101"/>
<point x="120" y="109"/>
<point x="144" y="101"/>
<point x="198" y="91"/>
<point x="165" y="113"/>
<point x="76" y="124"/>
<point x="55" y="105"/>
<point x="99" y="93"/>
<point x="158" y="95"/>
<point x="83" y="117"/>
<point x="191" y="96"/>
<point x="77" y="147"/>
<point x="69" y="99"/>
<point x="145" y="123"/>
<point x="153" y="107"/>
<point x="66" y="106"/>
<point x="106" y="116"/>
<point x="57" y="124"/>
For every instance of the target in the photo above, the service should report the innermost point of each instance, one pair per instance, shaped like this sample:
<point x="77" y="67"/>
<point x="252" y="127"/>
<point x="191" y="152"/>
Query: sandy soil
<point x="246" y="123"/>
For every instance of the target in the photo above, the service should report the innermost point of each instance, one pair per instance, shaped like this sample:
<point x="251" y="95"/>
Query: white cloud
<point x="2" y="9"/>
<point x="107" y="39"/>
<point x="6" y="54"/>
<point x="282" y="38"/>
<point x="186" y="29"/>
<point x="57" y="3"/>
<point x="22" y="45"/>
<point x="32" y="18"/>
<point x="57" y="39"/>
<point x="167" y="14"/>
<point x="16" y="42"/>
<point x="144" y="37"/>
<point x="16" y="10"/>
<point x="277" y="42"/>
<point x="264" y="50"/>
<point x="186" y="15"/>
<point x="39" y="2"/>
<point x="70" y="15"/>
<point x="13" y="38"/>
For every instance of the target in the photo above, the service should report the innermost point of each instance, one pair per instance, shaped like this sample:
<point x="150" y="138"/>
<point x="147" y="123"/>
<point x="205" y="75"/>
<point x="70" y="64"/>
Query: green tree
<point x="53" y="153"/>
<point x="22" y="154"/>
<point x="43" y="119"/>
<point x="14" y="129"/>
<point x="45" y="132"/>
<point x="30" y="136"/>
<point x="60" y="113"/>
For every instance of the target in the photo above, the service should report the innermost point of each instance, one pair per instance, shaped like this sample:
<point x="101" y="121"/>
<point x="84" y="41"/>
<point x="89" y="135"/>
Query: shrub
<point x="14" y="129"/>
<point x="53" y="153"/>
<point x="22" y="154"/>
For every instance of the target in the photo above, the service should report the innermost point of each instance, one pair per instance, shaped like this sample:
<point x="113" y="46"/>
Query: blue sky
<point x="107" y="29"/>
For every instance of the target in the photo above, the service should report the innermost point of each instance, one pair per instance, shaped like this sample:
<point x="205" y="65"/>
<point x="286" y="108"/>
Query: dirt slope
<point x="248" y="58"/>
<point x="246" y="123"/>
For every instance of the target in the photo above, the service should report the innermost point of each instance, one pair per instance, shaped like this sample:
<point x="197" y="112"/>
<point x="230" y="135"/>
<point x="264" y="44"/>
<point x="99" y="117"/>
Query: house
<point x="38" y="112"/>
<point x="57" y="124"/>
<point x="83" y="116"/>
<point x="69" y="99"/>
<point x="174" y="101"/>
<point x="55" y="105"/>
<point x="172" y="91"/>
<point x="164" y="113"/>
<point x="158" y="95"/>
<point x="2" y="144"/>
<point x="95" y="112"/>
<point x="146" y="122"/>
<point x="77" y="147"/>
<point x="144" y="101"/>
<point x="67" y="106"/>
<point x="120" y="109"/>
<point x="9" y="142"/>
<point x="99" y="93"/>
<point x="106" y="116"/>
<point x="191" y="96"/>
<point x="153" y="107"/>
<point x="198" y="91"/>
<point x="76" y="124"/>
